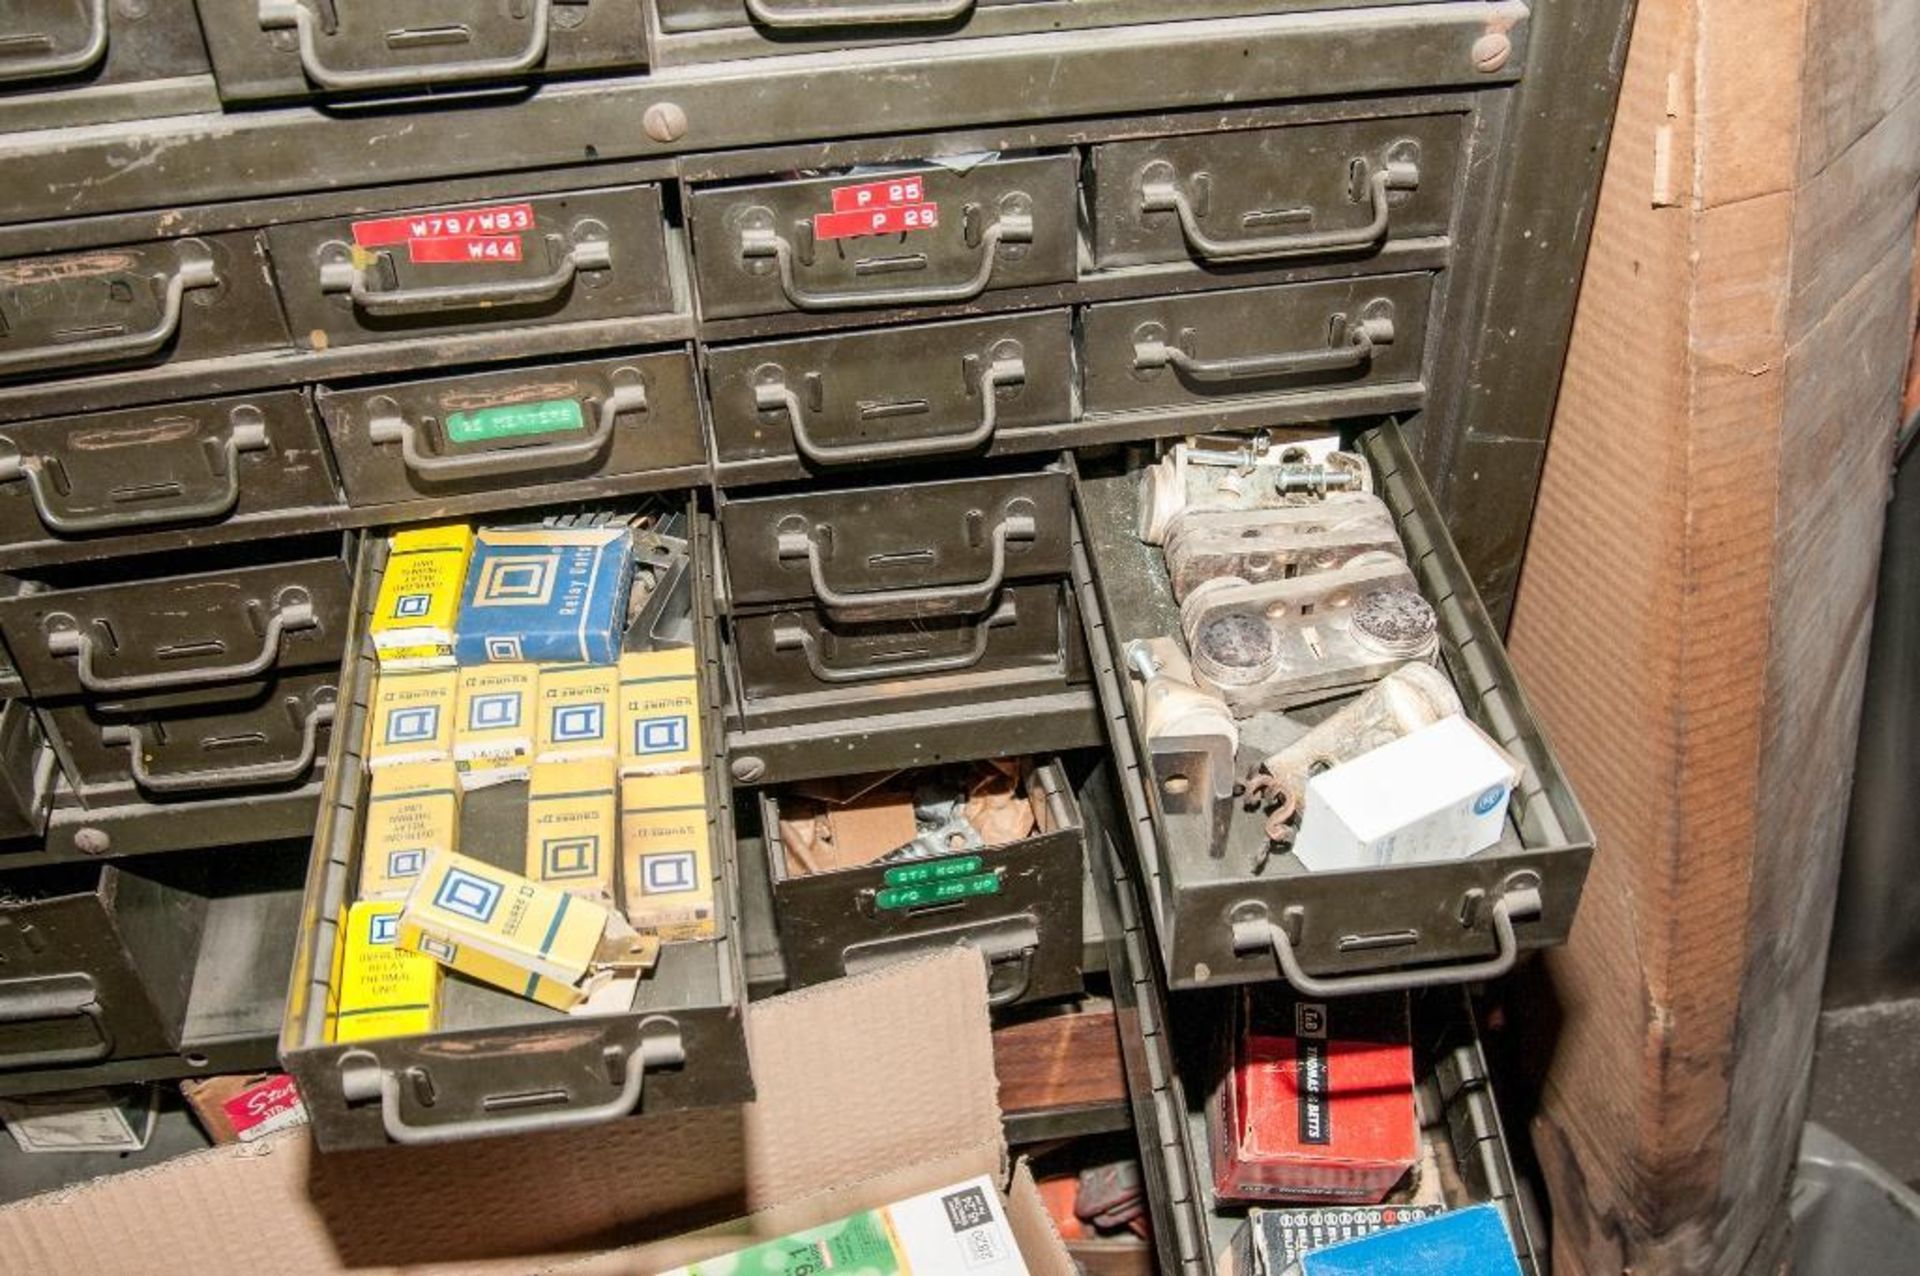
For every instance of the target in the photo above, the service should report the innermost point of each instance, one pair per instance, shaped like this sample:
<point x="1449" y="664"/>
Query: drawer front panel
<point x="787" y="246"/>
<point x="22" y="799"/>
<point x="511" y="263"/>
<point x="300" y="48"/>
<point x="898" y="394"/>
<point x="1308" y="192"/>
<point x="50" y="45"/>
<point x="179" y="632"/>
<point x="488" y="431"/>
<point x="822" y="18"/>
<point x="909" y="550"/>
<point x="140" y="304"/>
<point x="1255" y="343"/>
<point x="177" y="465"/>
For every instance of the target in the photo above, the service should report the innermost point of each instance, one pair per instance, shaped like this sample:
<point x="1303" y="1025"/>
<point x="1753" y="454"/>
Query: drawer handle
<point x="794" y="540"/>
<point x="1004" y="368"/>
<point x="259" y="775"/>
<point x="195" y="271"/>
<point x="247" y="434"/>
<point x="387" y="425"/>
<point x="1160" y="192"/>
<point x="857" y="15"/>
<point x="1349" y="345"/>
<point x="292" y="612"/>
<point x="56" y="63"/>
<point x="55" y="997"/>
<point x="1515" y="901"/>
<point x="362" y="1079"/>
<point x="789" y="635"/>
<point x="339" y="273"/>
<point x="1009" y="227"/>
<point x="277" y="15"/>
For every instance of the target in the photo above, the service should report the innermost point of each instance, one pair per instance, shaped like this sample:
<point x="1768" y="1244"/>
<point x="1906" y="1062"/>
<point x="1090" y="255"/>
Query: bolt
<point x="92" y="841"/>
<point x="748" y="769"/>
<point x="1490" y="52"/>
<point x="666" y="122"/>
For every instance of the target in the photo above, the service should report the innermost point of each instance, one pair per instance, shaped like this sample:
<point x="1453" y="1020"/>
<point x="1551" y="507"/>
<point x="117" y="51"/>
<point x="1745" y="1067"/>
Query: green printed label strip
<point x="933" y="871"/>
<point x="894" y="897"/>
<point x="554" y="416"/>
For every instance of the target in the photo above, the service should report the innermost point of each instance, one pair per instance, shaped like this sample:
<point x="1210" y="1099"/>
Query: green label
<point x="555" y="416"/>
<point x="946" y="892"/>
<point x="933" y="871"/>
<point x="856" y="1246"/>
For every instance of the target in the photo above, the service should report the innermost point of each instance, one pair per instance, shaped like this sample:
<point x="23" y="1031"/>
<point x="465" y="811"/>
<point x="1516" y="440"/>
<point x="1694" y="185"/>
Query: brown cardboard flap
<point x="870" y="1088"/>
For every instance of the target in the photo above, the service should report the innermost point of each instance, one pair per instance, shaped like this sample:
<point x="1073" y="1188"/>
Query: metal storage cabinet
<point x="70" y="62"/>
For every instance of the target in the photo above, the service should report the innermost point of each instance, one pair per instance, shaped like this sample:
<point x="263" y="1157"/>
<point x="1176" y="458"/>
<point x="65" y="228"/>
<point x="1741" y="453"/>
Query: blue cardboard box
<point x="1458" y="1243"/>
<point x="545" y="594"/>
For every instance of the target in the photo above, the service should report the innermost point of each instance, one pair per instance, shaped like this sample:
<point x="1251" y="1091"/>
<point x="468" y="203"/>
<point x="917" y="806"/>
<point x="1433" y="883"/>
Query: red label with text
<point x="895" y="190"/>
<point x="876" y="221"/>
<point x="455" y="248"/>
<point x="272" y="1105"/>
<point x="495" y="219"/>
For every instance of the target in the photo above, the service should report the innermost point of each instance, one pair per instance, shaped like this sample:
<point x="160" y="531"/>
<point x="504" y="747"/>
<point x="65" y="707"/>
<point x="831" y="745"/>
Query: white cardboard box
<point x="1438" y="794"/>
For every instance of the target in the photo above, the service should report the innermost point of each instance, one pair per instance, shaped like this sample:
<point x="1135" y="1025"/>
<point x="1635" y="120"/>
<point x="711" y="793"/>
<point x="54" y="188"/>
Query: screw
<point x="92" y="841"/>
<point x="1490" y="52"/>
<point x="666" y="122"/>
<point x="748" y="769"/>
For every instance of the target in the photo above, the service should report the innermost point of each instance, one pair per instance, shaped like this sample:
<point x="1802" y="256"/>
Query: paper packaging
<point x="1438" y="794"/>
<point x="383" y="990"/>
<point x="504" y="930"/>
<point x="1473" y="1240"/>
<point x="1315" y="1101"/>
<point x="545" y="594"/>
<point x="1270" y="1241"/>
<point x="81" y="1120"/>
<point x="666" y="862"/>
<point x="573" y="823"/>
<point x="493" y="723"/>
<point x="412" y="718"/>
<point x="244" y="1108"/>
<point x="413" y="810"/>
<point x="956" y="1231"/>
<point x="576" y="712"/>
<point x="413" y="614"/>
<point x="659" y="712"/>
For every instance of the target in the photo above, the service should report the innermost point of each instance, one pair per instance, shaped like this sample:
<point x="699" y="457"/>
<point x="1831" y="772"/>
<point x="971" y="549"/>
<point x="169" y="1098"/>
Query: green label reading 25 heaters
<point x="553" y="416"/>
<point x="936" y="882"/>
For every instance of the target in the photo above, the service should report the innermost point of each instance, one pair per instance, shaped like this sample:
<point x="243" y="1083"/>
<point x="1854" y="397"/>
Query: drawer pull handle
<point x="292" y="612"/>
<point x="277" y="15"/>
<point x="1349" y="345"/>
<point x="1160" y="193"/>
<point x="14" y="68"/>
<point x="859" y="15"/>
<point x="247" y="434"/>
<point x="1003" y="369"/>
<point x="790" y="635"/>
<point x="363" y="1079"/>
<point x="1007" y="228"/>
<point x="195" y="271"/>
<point x="1017" y="523"/>
<point x="1520" y="902"/>
<point x="338" y="273"/>
<point x="387" y="425"/>
<point x="54" y="997"/>
<point x="260" y="775"/>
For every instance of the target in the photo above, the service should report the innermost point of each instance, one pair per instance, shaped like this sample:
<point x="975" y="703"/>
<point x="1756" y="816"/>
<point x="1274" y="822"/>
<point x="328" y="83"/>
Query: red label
<point x="453" y="248"/>
<point x="896" y="190"/>
<point x="272" y="1105"/>
<point x="876" y="221"/>
<point x="497" y="219"/>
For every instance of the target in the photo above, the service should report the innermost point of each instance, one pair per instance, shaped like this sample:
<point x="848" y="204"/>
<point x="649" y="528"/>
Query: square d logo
<point x="410" y="606"/>
<point x="660" y="735"/>
<point x="438" y="949"/>
<point x="465" y="895"/>
<point x="493" y="711"/>
<point x="669" y="873"/>
<point x="405" y="863"/>
<point x="412" y="726"/>
<point x="503" y="648"/>
<point x="383" y="928"/>
<point x="576" y="722"/>
<point x="515" y="580"/>
<point x="568" y="857"/>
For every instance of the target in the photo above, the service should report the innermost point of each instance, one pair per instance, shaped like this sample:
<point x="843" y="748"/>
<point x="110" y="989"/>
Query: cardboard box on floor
<point x="870" y="1089"/>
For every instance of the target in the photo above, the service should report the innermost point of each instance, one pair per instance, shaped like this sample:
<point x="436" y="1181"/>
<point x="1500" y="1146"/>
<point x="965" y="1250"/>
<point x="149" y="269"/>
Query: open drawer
<point x="498" y="1063"/>
<point x="1241" y="915"/>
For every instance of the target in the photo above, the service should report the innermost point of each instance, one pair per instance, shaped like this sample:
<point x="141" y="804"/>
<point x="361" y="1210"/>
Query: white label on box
<point x="82" y="1121"/>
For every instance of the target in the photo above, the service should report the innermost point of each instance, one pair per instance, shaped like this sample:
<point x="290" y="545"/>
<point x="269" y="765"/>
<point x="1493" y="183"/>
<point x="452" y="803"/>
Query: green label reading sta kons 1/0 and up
<point x="932" y="871"/>
<point x="554" y="416"/>
<point x="891" y="897"/>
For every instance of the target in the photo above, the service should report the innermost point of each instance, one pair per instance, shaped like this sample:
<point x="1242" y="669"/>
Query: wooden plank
<point x="1062" y="1061"/>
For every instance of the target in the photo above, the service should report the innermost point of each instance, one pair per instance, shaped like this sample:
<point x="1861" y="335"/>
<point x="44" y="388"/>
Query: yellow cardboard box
<point x="493" y="723"/>
<point x="573" y="826"/>
<point x="419" y="598"/>
<point x="412" y="718"/>
<point x="413" y="810"/>
<point x="666" y="859"/>
<point x="659" y="712"/>
<point x="382" y="989"/>
<point x="576" y="712"/>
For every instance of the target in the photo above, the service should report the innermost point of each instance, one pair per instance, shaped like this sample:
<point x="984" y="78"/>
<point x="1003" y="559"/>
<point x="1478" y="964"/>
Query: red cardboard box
<point x="1316" y="1099"/>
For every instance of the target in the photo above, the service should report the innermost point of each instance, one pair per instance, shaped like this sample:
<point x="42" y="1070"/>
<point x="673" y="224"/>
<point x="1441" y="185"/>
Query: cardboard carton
<point x="545" y="594"/>
<point x="413" y="810"/>
<point x="383" y="990"/>
<point x="666" y="856"/>
<point x="419" y="598"/>
<point x="493" y="723"/>
<point x="241" y="1109"/>
<point x="576" y="713"/>
<point x="573" y="827"/>
<point x="412" y="717"/>
<point x="659" y="712"/>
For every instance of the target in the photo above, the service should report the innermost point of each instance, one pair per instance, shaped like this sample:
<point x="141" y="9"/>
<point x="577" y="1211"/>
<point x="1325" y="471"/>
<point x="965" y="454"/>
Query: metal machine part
<point x="1258" y="546"/>
<point x="1191" y="735"/>
<point x="1241" y="474"/>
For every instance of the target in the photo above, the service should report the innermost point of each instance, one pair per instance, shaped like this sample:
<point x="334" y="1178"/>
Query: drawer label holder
<point x="950" y="890"/>
<point x="518" y="421"/>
